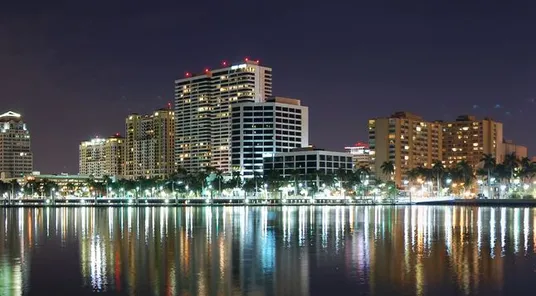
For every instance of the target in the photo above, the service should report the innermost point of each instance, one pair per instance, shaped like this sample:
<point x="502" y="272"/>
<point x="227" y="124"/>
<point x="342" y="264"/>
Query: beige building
<point x="469" y="139"/>
<point x="405" y="139"/>
<point x="102" y="157"/>
<point x="509" y="147"/>
<point x="360" y="154"/>
<point x="203" y="111"/>
<point x="16" y="158"/>
<point x="149" y="145"/>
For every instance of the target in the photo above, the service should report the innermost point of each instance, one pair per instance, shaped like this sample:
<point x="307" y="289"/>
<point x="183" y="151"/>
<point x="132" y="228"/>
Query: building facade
<point x="16" y="158"/>
<point x="102" y="157"/>
<point x="510" y="147"/>
<point x="469" y="139"/>
<point x="405" y="139"/>
<point x="307" y="161"/>
<point x="149" y="145"/>
<point x="203" y="111"/>
<point x="262" y="129"/>
<point x="360" y="154"/>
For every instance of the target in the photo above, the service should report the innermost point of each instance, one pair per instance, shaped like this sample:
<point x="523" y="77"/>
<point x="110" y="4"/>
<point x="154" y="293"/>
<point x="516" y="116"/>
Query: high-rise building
<point x="149" y="145"/>
<point x="405" y="139"/>
<point x="510" y="147"/>
<point x="360" y="154"/>
<point x="468" y="139"/>
<point x="262" y="129"/>
<point x="16" y="157"/>
<point x="102" y="157"/>
<point x="203" y="111"/>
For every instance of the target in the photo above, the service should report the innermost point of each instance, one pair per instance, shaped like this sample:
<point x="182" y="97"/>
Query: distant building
<point x="360" y="154"/>
<point x="16" y="158"/>
<point x="102" y="157"/>
<point x="203" y="111"/>
<point x="67" y="184"/>
<point x="262" y="129"/>
<point x="509" y="147"/>
<point x="307" y="161"/>
<point x="407" y="140"/>
<point x="149" y="145"/>
<point x="469" y="139"/>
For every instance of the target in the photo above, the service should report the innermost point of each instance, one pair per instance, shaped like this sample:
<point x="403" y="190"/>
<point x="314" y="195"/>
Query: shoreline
<point x="261" y="203"/>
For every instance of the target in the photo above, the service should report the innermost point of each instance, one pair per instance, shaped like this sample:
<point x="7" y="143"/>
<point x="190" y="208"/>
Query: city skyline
<point x="347" y="63"/>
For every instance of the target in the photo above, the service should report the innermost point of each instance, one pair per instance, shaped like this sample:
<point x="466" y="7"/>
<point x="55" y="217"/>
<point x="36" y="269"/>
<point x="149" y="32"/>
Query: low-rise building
<point x="308" y="161"/>
<point x="510" y="147"/>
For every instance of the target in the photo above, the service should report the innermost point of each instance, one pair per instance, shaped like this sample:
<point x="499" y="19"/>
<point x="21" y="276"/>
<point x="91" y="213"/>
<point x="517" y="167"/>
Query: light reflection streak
<point x="516" y="223"/>
<point x="503" y="230"/>
<point x="492" y="232"/>
<point x="526" y="230"/>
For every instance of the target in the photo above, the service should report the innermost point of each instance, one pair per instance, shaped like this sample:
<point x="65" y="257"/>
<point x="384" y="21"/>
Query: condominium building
<point x="307" y="161"/>
<point x="469" y="139"/>
<point x="16" y="157"/>
<point x="149" y="145"/>
<point x="203" y="111"/>
<point x="407" y="140"/>
<point x="509" y="147"/>
<point x="360" y="154"/>
<point x="102" y="157"/>
<point x="262" y="129"/>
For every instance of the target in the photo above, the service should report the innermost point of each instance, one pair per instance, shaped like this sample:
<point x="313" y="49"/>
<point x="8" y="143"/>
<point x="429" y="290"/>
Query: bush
<point x="515" y="196"/>
<point x="528" y="196"/>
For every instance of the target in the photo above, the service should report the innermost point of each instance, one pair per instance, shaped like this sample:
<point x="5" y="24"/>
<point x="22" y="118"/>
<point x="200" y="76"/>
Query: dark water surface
<point x="268" y="251"/>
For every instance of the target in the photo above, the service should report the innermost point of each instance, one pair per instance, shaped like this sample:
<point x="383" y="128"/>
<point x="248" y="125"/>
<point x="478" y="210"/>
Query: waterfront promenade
<point x="219" y="201"/>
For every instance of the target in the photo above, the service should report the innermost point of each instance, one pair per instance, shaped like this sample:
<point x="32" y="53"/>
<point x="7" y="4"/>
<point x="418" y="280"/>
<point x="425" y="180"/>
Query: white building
<point x="16" y="158"/>
<point x="360" y="154"/>
<point x="102" y="157"/>
<point x="262" y="129"/>
<point x="203" y="111"/>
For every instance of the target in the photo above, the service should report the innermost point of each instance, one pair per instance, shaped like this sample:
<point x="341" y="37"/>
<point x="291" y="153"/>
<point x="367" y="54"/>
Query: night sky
<point x="76" y="70"/>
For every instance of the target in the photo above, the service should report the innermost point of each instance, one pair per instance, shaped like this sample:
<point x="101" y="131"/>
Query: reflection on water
<point x="269" y="250"/>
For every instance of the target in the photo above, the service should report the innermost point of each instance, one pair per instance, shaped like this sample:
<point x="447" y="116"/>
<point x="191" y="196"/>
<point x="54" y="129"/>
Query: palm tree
<point x="273" y="180"/>
<point x="438" y="170"/>
<point x="511" y="163"/>
<point x="528" y="169"/>
<point x="388" y="168"/>
<point x="489" y="164"/>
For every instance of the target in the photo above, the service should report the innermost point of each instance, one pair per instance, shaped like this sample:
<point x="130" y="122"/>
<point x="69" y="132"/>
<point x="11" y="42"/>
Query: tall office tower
<point x="468" y="139"/>
<point x="16" y="157"/>
<point x="263" y="129"/>
<point x="203" y="111"/>
<point x="405" y="139"/>
<point x="149" y="145"/>
<point x="102" y="157"/>
<point x="360" y="154"/>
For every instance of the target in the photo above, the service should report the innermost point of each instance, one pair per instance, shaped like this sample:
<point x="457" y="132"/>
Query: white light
<point x="525" y="186"/>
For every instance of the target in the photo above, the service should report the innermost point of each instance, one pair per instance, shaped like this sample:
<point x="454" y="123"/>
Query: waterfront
<point x="285" y="250"/>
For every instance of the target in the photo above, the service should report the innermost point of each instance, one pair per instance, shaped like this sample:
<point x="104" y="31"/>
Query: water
<point x="268" y="251"/>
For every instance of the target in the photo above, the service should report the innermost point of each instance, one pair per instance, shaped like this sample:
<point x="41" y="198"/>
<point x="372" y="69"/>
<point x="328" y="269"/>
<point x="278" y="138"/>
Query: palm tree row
<point x="462" y="173"/>
<point x="510" y="172"/>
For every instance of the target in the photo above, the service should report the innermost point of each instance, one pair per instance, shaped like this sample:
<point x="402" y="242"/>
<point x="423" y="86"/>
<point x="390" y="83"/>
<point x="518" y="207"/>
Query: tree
<point x="489" y="164"/>
<point x="388" y="169"/>
<point x="528" y="169"/>
<point x="438" y="170"/>
<point x="273" y="180"/>
<point x="511" y="163"/>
